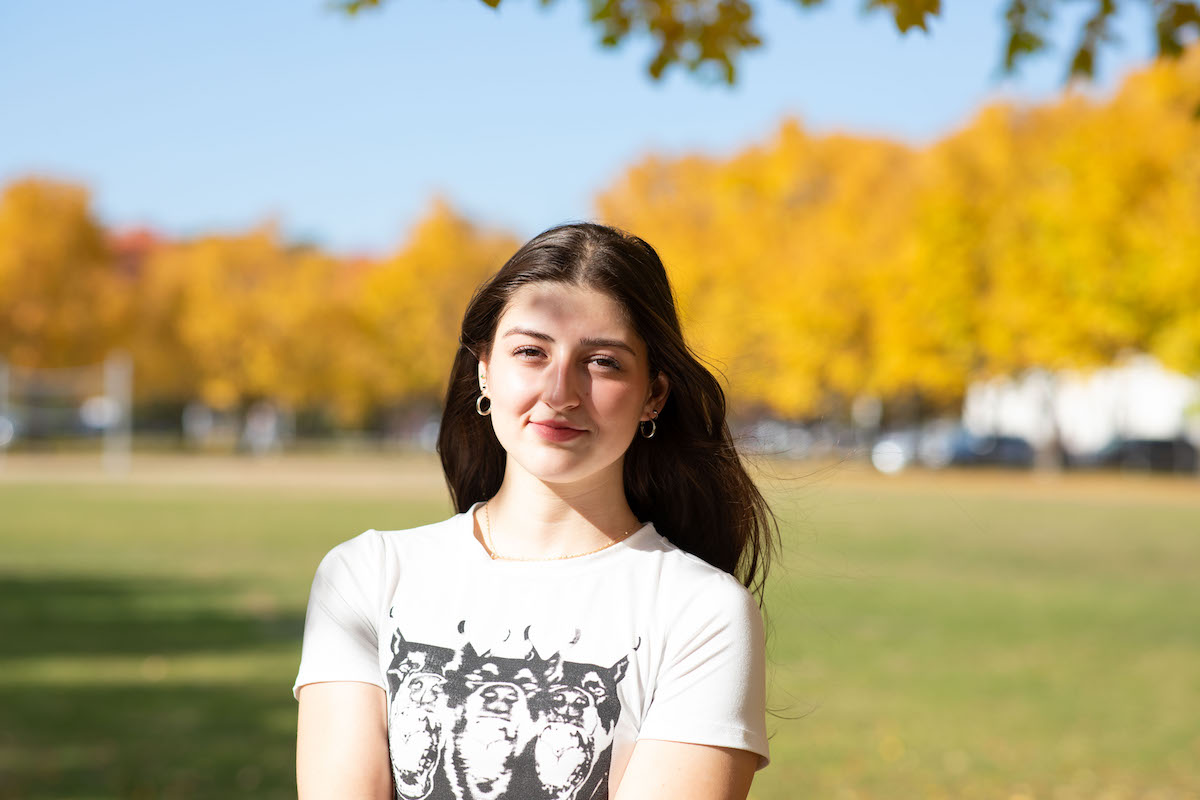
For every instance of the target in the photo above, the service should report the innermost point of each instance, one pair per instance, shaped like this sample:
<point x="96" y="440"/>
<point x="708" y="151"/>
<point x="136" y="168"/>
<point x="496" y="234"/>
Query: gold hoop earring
<point x="479" y="405"/>
<point x="653" y="426"/>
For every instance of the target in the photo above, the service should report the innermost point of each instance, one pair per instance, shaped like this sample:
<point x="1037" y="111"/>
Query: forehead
<point x="550" y="307"/>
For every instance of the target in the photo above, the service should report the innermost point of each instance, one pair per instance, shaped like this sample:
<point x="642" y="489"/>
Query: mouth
<point x="556" y="433"/>
<point x="557" y="426"/>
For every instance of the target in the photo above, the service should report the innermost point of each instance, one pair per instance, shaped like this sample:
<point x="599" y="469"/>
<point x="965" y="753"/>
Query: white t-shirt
<point x="531" y="679"/>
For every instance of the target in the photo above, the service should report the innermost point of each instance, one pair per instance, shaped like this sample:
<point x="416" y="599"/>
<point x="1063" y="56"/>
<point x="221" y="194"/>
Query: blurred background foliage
<point x="709" y="38"/>
<point x="811" y="269"/>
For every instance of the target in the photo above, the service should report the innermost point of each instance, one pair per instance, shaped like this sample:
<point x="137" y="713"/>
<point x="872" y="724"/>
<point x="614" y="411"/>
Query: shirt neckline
<point x="479" y="555"/>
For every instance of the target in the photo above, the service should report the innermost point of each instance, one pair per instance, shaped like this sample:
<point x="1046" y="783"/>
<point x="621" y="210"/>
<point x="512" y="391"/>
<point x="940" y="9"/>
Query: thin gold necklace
<point x="487" y="535"/>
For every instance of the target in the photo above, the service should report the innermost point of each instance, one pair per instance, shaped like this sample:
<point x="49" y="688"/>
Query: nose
<point x="563" y="387"/>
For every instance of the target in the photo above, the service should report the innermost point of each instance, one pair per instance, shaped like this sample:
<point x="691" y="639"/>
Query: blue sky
<point x="215" y="115"/>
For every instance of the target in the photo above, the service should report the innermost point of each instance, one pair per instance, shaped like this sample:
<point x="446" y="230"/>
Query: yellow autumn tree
<point x="409" y="307"/>
<point x="251" y="314"/>
<point x="769" y="253"/>
<point x="63" y="301"/>
<point x="709" y="38"/>
<point x="924" y="294"/>
<point x="839" y="201"/>
<point x="1086" y="221"/>
<point x="809" y="269"/>
<point x="672" y="205"/>
<point x="165" y="367"/>
<point x="1162" y="231"/>
<point x="819" y="268"/>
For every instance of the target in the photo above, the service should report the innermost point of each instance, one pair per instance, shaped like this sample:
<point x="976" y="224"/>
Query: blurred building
<point x="1138" y="400"/>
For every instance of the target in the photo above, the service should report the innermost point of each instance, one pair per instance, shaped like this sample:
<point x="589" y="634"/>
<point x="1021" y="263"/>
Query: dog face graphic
<point x="466" y="725"/>
<point x="419" y="715"/>
<point x="494" y="723"/>
<point x="576" y="718"/>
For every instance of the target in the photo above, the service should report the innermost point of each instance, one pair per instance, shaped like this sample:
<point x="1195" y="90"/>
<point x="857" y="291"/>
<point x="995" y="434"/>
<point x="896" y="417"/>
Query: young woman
<point x="584" y="627"/>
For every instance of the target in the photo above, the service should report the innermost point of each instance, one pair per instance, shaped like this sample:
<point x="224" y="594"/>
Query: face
<point x="565" y="356"/>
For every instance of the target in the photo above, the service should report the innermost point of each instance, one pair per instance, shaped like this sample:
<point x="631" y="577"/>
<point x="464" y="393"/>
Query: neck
<point x="532" y="519"/>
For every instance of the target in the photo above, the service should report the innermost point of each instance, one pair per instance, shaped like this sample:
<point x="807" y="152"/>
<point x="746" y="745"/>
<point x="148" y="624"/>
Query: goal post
<point x="118" y="424"/>
<point x="61" y="403"/>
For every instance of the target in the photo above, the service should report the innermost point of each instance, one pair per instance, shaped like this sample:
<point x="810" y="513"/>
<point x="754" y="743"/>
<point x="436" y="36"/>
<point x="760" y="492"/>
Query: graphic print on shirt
<point x="464" y="725"/>
<point x="417" y="715"/>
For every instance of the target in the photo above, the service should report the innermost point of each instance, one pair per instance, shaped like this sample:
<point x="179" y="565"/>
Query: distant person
<point x="582" y="627"/>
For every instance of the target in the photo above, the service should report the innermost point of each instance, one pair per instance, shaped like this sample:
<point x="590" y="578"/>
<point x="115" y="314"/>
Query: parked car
<point x="1000" y="451"/>
<point x="1153" y="455"/>
<point x="940" y="444"/>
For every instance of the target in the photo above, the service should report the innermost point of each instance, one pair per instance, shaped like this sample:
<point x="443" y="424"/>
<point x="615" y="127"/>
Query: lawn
<point x="931" y="636"/>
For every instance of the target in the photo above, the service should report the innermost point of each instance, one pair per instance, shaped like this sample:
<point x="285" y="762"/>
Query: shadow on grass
<point x="141" y="737"/>
<point x="147" y="741"/>
<point x="64" y="616"/>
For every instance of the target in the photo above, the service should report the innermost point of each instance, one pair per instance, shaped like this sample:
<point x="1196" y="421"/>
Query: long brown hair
<point x="689" y="479"/>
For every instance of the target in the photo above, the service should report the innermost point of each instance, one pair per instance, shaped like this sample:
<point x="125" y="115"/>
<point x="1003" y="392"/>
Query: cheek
<point x="512" y="387"/>
<point x="615" y="400"/>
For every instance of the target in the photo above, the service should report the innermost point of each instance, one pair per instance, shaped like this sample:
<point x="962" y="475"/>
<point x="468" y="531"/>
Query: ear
<point x="481" y="373"/>
<point x="617" y="671"/>
<point x="660" y="387"/>
<point x="553" y="671"/>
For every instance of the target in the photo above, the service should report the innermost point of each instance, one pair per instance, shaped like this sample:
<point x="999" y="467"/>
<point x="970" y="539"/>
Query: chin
<point x="556" y="470"/>
<point x="565" y="467"/>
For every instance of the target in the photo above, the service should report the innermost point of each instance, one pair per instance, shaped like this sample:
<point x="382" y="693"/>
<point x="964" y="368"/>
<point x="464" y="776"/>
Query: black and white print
<point x="466" y="725"/>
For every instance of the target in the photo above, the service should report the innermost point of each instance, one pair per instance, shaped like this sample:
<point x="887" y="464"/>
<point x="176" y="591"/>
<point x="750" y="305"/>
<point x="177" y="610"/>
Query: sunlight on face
<point x="566" y="356"/>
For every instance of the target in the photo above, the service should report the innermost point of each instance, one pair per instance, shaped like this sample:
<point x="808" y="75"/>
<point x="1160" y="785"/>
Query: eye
<point x="606" y="362"/>
<point x="527" y="353"/>
<point x="520" y="351"/>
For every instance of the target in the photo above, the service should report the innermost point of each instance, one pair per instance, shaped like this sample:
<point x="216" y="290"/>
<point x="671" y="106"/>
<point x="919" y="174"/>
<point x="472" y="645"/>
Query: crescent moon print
<point x="464" y="725"/>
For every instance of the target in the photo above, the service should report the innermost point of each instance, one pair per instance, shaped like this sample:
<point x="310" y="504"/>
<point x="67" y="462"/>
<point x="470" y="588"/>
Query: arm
<point x="658" y="768"/>
<point x="704" y="733"/>
<point x="341" y="742"/>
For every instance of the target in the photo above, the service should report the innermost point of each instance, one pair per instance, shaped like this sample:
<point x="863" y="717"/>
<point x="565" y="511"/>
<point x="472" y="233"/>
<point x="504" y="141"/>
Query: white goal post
<point x="70" y="402"/>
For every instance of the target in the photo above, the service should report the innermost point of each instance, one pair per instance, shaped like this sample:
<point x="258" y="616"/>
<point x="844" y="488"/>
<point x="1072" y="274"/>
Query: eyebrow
<point x="586" y="341"/>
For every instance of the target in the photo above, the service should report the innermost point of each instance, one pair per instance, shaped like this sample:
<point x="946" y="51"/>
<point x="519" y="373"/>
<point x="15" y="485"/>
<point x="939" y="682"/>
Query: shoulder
<point x="363" y="545"/>
<point x="375" y="540"/>
<point x="436" y="528"/>
<point x="697" y="590"/>
<point x="373" y="549"/>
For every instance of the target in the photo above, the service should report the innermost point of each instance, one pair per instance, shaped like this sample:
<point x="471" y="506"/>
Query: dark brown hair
<point x="689" y="479"/>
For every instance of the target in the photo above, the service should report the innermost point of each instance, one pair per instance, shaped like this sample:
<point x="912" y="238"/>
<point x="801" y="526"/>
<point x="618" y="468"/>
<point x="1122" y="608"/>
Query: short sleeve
<point x="340" y="626"/>
<point x="711" y="688"/>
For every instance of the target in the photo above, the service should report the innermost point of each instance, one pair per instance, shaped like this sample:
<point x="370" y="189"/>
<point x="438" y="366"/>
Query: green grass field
<point x="931" y="636"/>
